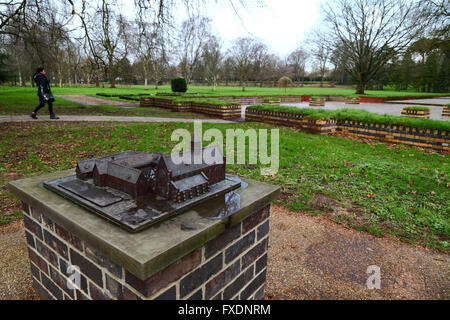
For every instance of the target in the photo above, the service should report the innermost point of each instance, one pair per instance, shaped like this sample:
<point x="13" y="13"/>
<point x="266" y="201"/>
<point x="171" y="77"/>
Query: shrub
<point x="178" y="85"/>
<point x="285" y="82"/>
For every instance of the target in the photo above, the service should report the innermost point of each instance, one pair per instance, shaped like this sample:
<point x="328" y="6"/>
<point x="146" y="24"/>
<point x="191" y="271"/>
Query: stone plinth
<point x="192" y="256"/>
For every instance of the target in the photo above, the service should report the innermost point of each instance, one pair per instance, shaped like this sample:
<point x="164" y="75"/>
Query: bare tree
<point x="244" y="52"/>
<point x="321" y="52"/>
<point x="297" y="61"/>
<point x="106" y="34"/>
<point x="192" y="36"/>
<point x="371" y="32"/>
<point x="10" y="9"/>
<point x="437" y="14"/>
<point x="212" y="58"/>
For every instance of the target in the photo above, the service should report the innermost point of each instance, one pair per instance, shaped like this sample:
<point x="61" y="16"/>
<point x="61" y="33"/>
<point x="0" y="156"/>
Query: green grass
<point x="21" y="101"/>
<point x="231" y="91"/>
<point x="357" y="115"/>
<point x="383" y="189"/>
<point x="417" y="108"/>
<point x="215" y="102"/>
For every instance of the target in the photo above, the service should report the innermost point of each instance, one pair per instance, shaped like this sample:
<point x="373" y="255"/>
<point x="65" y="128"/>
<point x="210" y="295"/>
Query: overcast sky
<point x="282" y="24"/>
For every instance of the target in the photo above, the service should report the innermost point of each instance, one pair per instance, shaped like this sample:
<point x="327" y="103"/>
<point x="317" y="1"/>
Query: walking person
<point x="44" y="93"/>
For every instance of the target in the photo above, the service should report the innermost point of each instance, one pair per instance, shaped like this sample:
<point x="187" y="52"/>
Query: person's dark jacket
<point x="42" y="83"/>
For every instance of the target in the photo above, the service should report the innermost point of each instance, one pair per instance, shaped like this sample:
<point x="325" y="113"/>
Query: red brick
<point x="103" y="261"/>
<point x="252" y="221"/>
<point x="25" y="208"/>
<point x="87" y="268"/>
<point x="69" y="237"/>
<point x="56" y="244"/>
<point x="239" y="247"/>
<point x="221" y="280"/>
<point x="129" y="295"/>
<point x="238" y="284"/>
<point x="253" y="286"/>
<point x="163" y="278"/>
<point x="97" y="294"/>
<point x="251" y="256"/>
<point x="48" y="254"/>
<point x="38" y="261"/>
<point x="196" y="278"/>
<point x="33" y="227"/>
<point x="220" y="242"/>
<point x="61" y="281"/>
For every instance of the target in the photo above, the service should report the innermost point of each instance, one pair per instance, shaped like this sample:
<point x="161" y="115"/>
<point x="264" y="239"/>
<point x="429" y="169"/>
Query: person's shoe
<point x="33" y="115"/>
<point x="54" y="117"/>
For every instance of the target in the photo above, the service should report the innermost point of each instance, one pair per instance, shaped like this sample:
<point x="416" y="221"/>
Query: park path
<point x="438" y="101"/>
<point x="94" y="101"/>
<point x="309" y="257"/>
<point x="106" y="118"/>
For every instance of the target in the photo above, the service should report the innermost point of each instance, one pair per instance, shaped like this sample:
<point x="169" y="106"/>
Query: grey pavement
<point x="439" y="101"/>
<point x="94" y="101"/>
<point x="106" y="118"/>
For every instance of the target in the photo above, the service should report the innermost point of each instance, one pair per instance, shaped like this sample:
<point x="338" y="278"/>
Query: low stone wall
<point x="223" y="112"/>
<point x="217" y="111"/>
<point x="446" y="111"/>
<point x="318" y="126"/>
<point x="225" y="261"/>
<point x="317" y="102"/>
<point x="435" y="139"/>
<point x="416" y="113"/>
<point x="354" y="100"/>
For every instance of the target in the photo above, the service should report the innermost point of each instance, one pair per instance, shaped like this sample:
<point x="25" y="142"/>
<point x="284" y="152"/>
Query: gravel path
<point x="309" y="258"/>
<point x="15" y="276"/>
<point x="107" y="118"/>
<point x="94" y="101"/>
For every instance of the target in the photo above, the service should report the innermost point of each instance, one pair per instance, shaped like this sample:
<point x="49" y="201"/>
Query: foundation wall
<point x="435" y="139"/>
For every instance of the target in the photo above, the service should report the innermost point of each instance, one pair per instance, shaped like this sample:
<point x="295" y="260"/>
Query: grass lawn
<point x="21" y="101"/>
<point x="387" y="190"/>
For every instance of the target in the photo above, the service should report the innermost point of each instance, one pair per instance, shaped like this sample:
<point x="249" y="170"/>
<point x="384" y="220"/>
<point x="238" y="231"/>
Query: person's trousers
<point x="42" y="103"/>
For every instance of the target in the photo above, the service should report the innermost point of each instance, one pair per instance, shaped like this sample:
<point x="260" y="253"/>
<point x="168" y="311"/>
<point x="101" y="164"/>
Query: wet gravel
<point x="310" y="257"/>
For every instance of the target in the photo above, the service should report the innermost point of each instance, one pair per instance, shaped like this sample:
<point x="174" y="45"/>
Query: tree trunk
<point x="360" y="88"/>
<point x="146" y="83"/>
<point x="97" y="82"/>
<point x="112" y="81"/>
<point x="20" y="79"/>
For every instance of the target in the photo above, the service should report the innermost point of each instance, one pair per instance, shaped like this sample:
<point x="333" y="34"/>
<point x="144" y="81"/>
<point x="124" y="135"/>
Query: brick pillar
<point x="187" y="258"/>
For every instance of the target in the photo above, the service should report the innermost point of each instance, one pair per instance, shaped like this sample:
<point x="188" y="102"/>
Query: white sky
<point x="282" y="24"/>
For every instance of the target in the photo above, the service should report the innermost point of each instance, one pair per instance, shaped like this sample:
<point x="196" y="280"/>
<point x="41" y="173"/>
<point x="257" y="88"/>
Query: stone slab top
<point x="149" y="251"/>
